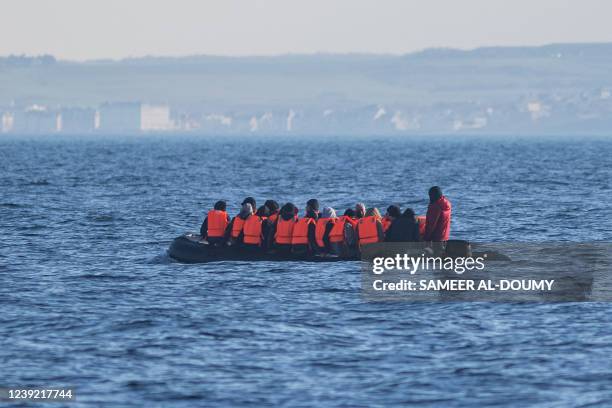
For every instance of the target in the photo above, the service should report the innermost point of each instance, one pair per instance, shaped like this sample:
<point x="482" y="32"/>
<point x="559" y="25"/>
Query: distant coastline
<point x="558" y="89"/>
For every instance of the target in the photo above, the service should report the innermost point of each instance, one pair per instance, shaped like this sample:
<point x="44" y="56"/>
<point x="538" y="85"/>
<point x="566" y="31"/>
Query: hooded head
<point x="393" y="211"/>
<point x="263" y="211"/>
<point x="287" y="212"/>
<point x="220" y="205"/>
<point x="409" y="213"/>
<point x="245" y="211"/>
<point x="272" y="206"/>
<point x="329" y="212"/>
<point x="312" y="204"/>
<point x="251" y="201"/>
<point x="434" y="194"/>
<point x="360" y="210"/>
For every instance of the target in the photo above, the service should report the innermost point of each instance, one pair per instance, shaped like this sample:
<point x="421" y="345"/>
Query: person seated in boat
<point x="251" y="201"/>
<point x="342" y="235"/>
<point x="235" y="227"/>
<point x="393" y="212"/>
<point x="303" y="240"/>
<point x="438" y="219"/>
<point x="273" y="209"/>
<point x="404" y="228"/>
<point x="360" y="210"/>
<point x="215" y="224"/>
<point x="349" y="214"/>
<point x="369" y="229"/>
<point x="323" y="228"/>
<point x="350" y="233"/>
<point x="255" y="230"/>
<point x="281" y="231"/>
<point x="313" y="205"/>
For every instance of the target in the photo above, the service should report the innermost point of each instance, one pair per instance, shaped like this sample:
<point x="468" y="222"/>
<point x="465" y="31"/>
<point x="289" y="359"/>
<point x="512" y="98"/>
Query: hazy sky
<point x="85" y="29"/>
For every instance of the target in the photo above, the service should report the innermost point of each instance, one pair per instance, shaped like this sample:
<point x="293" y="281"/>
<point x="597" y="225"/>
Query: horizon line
<point x="304" y="54"/>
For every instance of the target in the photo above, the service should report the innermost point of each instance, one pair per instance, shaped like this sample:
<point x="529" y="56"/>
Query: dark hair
<point x="220" y="205"/>
<point x="251" y="201"/>
<point x="263" y="211"/>
<point x="313" y="203"/>
<point x="394" y="211"/>
<point x="409" y="213"/>
<point x="287" y="209"/>
<point x="434" y="194"/>
<point x="349" y="213"/>
<point x="272" y="205"/>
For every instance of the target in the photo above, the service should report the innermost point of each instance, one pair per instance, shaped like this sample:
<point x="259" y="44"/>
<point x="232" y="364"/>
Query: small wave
<point x="103" y="276"/>
<point x="162" y="259"/>
<point x="39" y="182"/>
<point x="134" y="324"/>
<point x="11" y="205"/>
<point x="101" y="217"/>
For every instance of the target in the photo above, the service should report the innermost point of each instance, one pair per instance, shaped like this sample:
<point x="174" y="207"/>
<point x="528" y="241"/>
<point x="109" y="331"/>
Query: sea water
<point x="89" y="299"/>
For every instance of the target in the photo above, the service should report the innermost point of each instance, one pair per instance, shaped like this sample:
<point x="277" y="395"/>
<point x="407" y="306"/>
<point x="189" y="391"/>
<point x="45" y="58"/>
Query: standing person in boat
<point x="303" y="240"/>
<point x="404" y="228"/>
<point x="438" y="220"/>
<point x="235" y="227"/>
<point x="360" y="210"/>
<point x="393" y="212"/>
<point x="281" y="232"/>
<point x="215" y="224"/>
<point x="323" y="228"/>
<point x="369" y="229"/>
<point x="255" y="231"/>
<point x="274" y="210"/>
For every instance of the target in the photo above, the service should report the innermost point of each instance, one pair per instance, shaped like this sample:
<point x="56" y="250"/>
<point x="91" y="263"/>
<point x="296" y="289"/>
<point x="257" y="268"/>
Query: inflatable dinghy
<point x="189" y="248"/>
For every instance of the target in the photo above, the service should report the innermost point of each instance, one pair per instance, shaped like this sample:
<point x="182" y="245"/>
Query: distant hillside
<point x="459" y="89"/>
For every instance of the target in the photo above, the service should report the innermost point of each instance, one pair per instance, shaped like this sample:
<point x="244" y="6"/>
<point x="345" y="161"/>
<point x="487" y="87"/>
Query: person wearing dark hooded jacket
<point x="404" y="228"/>
<point x="438" y="221"/>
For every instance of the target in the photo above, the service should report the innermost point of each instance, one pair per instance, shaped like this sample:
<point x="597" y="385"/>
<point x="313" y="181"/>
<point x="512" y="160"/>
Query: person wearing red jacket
<point x="438" y="221"/>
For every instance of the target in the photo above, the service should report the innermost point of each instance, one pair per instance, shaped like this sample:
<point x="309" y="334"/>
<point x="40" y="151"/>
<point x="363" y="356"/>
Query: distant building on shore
<point x="155" y="118"/>
<point x="77" y="120"/>
<point x="7" y="122"/>
<point x="123" y="117"/>
<point x="35" y="119"/>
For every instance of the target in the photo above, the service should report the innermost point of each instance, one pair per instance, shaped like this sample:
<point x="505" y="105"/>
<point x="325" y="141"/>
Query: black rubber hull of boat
<point x="190" y="250"/>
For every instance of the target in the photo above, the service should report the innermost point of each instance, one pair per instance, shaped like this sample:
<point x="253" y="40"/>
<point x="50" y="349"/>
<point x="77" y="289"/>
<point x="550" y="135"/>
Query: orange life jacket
<point x="284" y="230"/>
<point x="217" y="223"/>
<point x="422" y="220"/>
<point x="273" y="217"/>
<point x="337" y="232"/>
<point x="252" y="230"/>
<point x="237" y="226"/>
<point x="368" y="230"/>
<point x="320" y="230"/>
<point x="300" y="231"/>
<point x="351" y="221"/>
<point x="386" y="223"/>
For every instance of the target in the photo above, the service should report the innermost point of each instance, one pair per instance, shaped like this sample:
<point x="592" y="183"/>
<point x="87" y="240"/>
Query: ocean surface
<point x="90" y="299"/>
